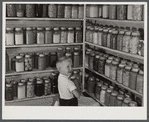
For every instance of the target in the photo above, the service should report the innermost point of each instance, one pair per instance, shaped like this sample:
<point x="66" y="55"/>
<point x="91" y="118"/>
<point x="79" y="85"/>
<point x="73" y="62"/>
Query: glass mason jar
<point x="47" y="87"/>
<point x="63" y="35"/>
<point x="140" y="82"/>
<point x="101" y="66"/>
<point x="99" y="11"/>
<point x="126" y="102"/>
<point x="96" y="63"/>
<point x="34" y="35"/>
<point x="137" y="12"/>
<point x="36" y="60"/>
<point x="91" y="85"/>
<point x="38" y="10"/>
<point x="134" y="42"/>
<point x="70" y="38"/>
<point x="104" y="37"/>
<point x="91" y="60"/>
<point x="44" y="10"/>
<point x="114" y="40"/>
<point x="60" y="10"/>
<point x="97" y="90"/>
<point x="126" y="41"/>
<point x="60" y="52"/>
<point x="76" y="59"/>
<point x="87" y="55"/>
<point x="11" y="10"/>
<point x="133" y="78"/>
<point x="95" y="35"/>
<point x="78" y="35"/>
<point x="81" y="12"/>
<point x="132" y="104"/>
<point x="69" y="55"/>
<point x="113" y="70"/>
<point x="107" y="67"/>
<point x="87" y="10"/>
<point x="109" y="38"/>
<point x="29" y="36"/>
<point x="112" y="12"/>
<point x="19" y="36"/>
<point x="30" y="89"/>
<point x="56" y="35"/>
<point x="39" y="88"/>
<point x="28" y="63"/>
<point x="52" y="10"/>
<point x="47" y="58"/>
<point x="93" y="10"/>
<point x="68" y="9"/>
<point x="113" y="98"/>
<point x="48" y="35"/>
<point x="120" y="73"/>
<point x="21" y="90"/>
<point x="20" y="10"/>
<point x="19" y="63"/>
<point x="120" y="40"/>
<point x="100" y="33"/>
<point x="121" y="12"/>
<point x="102" y="94"/>
<point x="74" y="11"/>
<point x="107" y="96"/>
<point x="126" y="75"/>
<point x="40" y="35"/>
<point x="129" y="12"/>
<point x="30" y="10"/>
<point x="141" y="48"/>
<point x="105" y="11"/>
<point x="87" y="35"/>
<point x="119" y="100"/>
<point x="9" y="37"/>
<point x="91" y="35"/>
<point x="9" y="92"/>
<point x="41" y="62"/>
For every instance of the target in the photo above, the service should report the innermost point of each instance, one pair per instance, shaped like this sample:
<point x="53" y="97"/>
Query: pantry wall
<point x="31" y="52"/>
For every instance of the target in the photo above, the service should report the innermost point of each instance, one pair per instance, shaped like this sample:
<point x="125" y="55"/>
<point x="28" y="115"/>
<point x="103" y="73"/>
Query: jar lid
<point x="121" y="32"/>
<point x="28" y="28"/>
<point x="22" y="54"/>
<point x="78" y="28"/>
<point x="141" y="72"/>
<point x="114" y="93"/>
<point x="18" y="29"/>
<point x="72" y="77"/>
<point x="105" y="30"/>
<point x="40" y="28"/>
<point x="97" y="80"/>
<point x="120" y="97"/>
<point x="31" y="79"/>
<point x="68" y="54"/>
<point x="76" y="53"/>
<point x="63" y="28"/>
<point x="23" y="80"/>
<point x="114" y="62"/>
<point x="41" y="55"/>
<point x="136" y="33"/>
<point x="116" y="59"/>
<point x="39" y="82"/>
<point x="121" y="65"/>
<point x="20" y="84"/>
<point x="44" y="78"/>
<point x="106" y="55"/>
<point x="19" y="57"/>
<point x="56" y="28"/>
<point x="88" y="27"/>
<point x="92" y="54"/>
<point x="128" y="67"/>
<point x="47" y="81"/>
<point x="109" y="90"/>
<point x="108" y="61"/>
<point x="76" y="48"/>
<point x="37" y="78"/>
<point x="53" y="53"/>
<point x="15" y="82"/>
<point x="91" y="78"/>
<point x="75" y="72"/>
<point x="102" y="58"/>
<point x="123" y="61"/>
<point x="99" y="84"/>
<point x="129" y="63"/>
<point x="9" y="85"/>
<point x="97" y="56"/>
<point x="127" y="100"/>
<point x="110" y="31"/>
<point x="10" y="29"/>
<point x="70" y="28"/>
<point x="112" y="87"/>
<point x="91" y="28"/>
<point x="135" y="69"/>
<point x="59" y="48"/>
<point x="111" y="57"/>
<point x="128" y="33"/>
<point x="135" y="65"/>
<point x="89" y="50"/>
<point x="100" y="29"/>
<point x="48" y="28"/>
<point x="104" y="87"/>
<point x="133" y="103"/>
<point x="27" y="56"/>
<point x="29" y="83"/>
<point x="115" y="32"/>
<point x="87" y="53"/>
<point x="96" y="28"/>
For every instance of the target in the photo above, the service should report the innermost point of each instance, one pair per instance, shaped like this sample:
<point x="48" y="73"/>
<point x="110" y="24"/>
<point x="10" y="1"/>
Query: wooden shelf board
<point x="132" y="57"/>
<point x="121" y="85"/>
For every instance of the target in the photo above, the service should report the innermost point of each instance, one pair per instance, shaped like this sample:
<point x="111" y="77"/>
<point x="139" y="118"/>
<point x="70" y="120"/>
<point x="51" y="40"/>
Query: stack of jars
<point x="41" y="35"/>
<point x="108" y="94"/>
<point x="122" y="71"/>
<point x="117" y="39"/>
<point x="116" y="12"/>
<point x="45" y="10"/>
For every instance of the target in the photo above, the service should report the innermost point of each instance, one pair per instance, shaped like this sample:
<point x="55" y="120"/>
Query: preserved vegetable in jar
<point x="101" y="66"/>
<point x="113" y="98"/>
<point x="70" y="38"/>
<point x="120" y="73"/>
<point x="87" y="54"/>
<point x="20" y="10"/>
<point x="129" y="12"/>
<point x="107" y="67"/>
<point x="132" y="103"/>
<point x="104" y="37"/>
<point x="68" y="9"/>
<point x="29" y="36"/>
<point x="126" y="102"/>
<point x="97" y="90"/>
<point x="96" y="63"/>
<point x="102" y="94"/>
<point x="74" y="11"/>
<point x="44" y="10"/>
<point x="99" y="11"/>
<point x="21" y="90"/>
<point x="120" y="40"/>
<point x="40" y="36"/>
<point x="53" y="59"/>
<point x="9" y="37"/>
<point x="81" y="12"/>
<point x="34" y="35"/>
<point x="126" y="42"/>
<point x="100" y="33"/>
<point x="11" y="10"/>
<point x="19" y="36"/>
<point x="107" y="96"/>
<point x="121" y="12"/>
<point x="48" y="35"/>
<point x="52" y="10"/>
<point x="60" y="52"/>
<point x="112" y="11"/>
<point x="87" y="10"/>
<point x="76" y="59"/>
<point x="93" y="10"/>
<point x="60" y="10"/>
<point x="19" y="63"/>
<point x="140" y="82"/>
<point x="91" y="35"/>
<point x="137" y="12"/>
<point x="109" y="38"/>
<point x="95" y="35"/>
<point x="113" y="70"/>
<point x="30" y="89"/>
<point x="90" y="84"/>
<point x="91" y="60"/>
<point x="41" y="62"/>
<point x="105" y="11"/>
<point x="39" y="88"/>
<point x="47" y="87"/>
<point x="56" y="35"/>
<point x="87" y="35"/>
<point x="63" y="35"/>
<point x="28" y="63"/>
<point x="78" y="35"/>
<point x="30" y="10"/>
<point x="141" y="48"/>
<point x="119" y="100"/>
<point x="8" y="92"/>
<point x="114" y="39"/>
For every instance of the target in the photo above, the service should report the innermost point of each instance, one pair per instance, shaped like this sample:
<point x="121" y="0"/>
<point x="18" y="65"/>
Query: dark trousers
<point x="69" y="102"/>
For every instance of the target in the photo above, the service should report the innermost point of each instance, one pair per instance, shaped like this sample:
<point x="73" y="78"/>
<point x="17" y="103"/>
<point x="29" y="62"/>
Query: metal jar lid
<point x="89" y="50"/>
<point x="141" y="72"/>
<point x="128" y="67"/>
<point x="56" y="29"/>
<point x="53" y="53"/>
<point x="111" y="57"/>
<point x="97" y="56"/>
<point x="75" y="71"/>
<point x="20" y="84"/>
<point x="70" y="28"/>
<point x="18" y="29"/>
<point x="9" y="85"/>
<point x="114" y="93"/>
<point x="115" y="32"/>
<point x="102" y="58"/>
<point x="68" y="54"/>
<point x="135" y="69"/>
<point x="48" y="28"/>
<point x="105" y="30"/>
<point x="122" y="32"/>
<point x="104" y="87"/>
<point x="86" y="75"/>
<point x="91" y="28"/>
<point x="121" y="65"/>
<point x="29" y="83"/>
<point x="27" y="56"/>
<point x="76" y="53"/>
<point x="63" y="28"/>
<point x="31" y="79"/>
<point x="28" y="28"/>
<point x="39" y="82"/>
<point x="91" y="78"/>
<point x="127" y="100"/>
<point x="23" y="80"/>
<point x="87" y="53"/>
<point x="114" y="62"/>
<point x="133" y="103"/>
<point x="111" y="30"/>
<point x="9" y="29"/>
<point x="128" y="33"/>
<point x="120" y="97"/>
<point x="73" y="77"/>
<point x="78" y="28"/>
<point x="76" y="48"/>
<point x="47" y="81"/>
<point x="136" y="33"/>
<point x="59" y="48"/>
<point x="99" y="84"/>
<point x="100" y="29"/>
<point x="124" y="61"/>
<point x="109" y="90"/>
<point x="41" y="55"/>
<point x="108" y="61"/>
<point x="19" y="57"/>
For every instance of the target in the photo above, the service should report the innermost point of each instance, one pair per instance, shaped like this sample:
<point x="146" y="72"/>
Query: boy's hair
<point x="61" y="60"/>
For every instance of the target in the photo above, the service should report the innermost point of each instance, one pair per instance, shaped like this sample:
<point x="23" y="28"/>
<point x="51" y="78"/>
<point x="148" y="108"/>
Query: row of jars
<point x="122" y="71"/>
<point x="116" y="12"/>
<point x="41" y="61"/>
<point x="121" y="40"/>
<point x="109" y="95"/>
<point x="45" y="10"/>
<point x="41" y="35"/>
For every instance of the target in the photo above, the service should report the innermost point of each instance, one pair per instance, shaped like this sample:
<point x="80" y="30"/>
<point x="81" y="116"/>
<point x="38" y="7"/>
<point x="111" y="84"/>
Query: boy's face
<point x="66" y="68"/>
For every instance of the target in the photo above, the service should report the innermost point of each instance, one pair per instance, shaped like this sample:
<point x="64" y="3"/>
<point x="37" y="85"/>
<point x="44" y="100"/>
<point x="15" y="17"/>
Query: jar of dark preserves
<point x="95" y="64"/>
<point x="101" y="66"/>
<point x="78" y="35"/>
<point x="91" y="85"/>
<point x="113" y="98"/>
<point x="107" y="67"/>
<point x="112" y="11"/>
<point x="39" y="88"/>
<point x="121" y="12"/>
<point x="97" y="90"/>
<point x="8" y="92"/>
<point x="76" y="59"/>
<point x="107" y="96"/>
<point x="120" y="73"/>
<point x="91" y="60"/>
<point x="114" y="40"/>
<point x="15" y="90"/>
<point x="104" y="37"/>
<point x="119" y="100"/>
<point x="113" y="70"/>
<point x="53" y="59"/>
<point x="120" y="40"/>
<point x="60" y="10"/>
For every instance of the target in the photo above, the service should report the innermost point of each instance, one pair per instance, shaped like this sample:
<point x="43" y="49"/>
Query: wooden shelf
<point x="11" y="72"/>
<point x="135" y="58"/>
<point x="93" y="96"/>
<point x="119" y="23"/>
<point x="43" y="45"/>
<point x="121" y="85"/>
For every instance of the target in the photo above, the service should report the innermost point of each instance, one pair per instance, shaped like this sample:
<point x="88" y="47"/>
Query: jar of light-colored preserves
<point x="19" y="63"/>
<point x="19" y="36"/>
<point x="107" y="67"/>
<point x="107" y="96"/>
<point x="102" y="94"/>
<point x="100" y="33"/>
<point x="119" y="100"/>
<point x="70" y="38"/>
<point x="29" y="36"/>
<point x="41" y="62"/>
<point x="104" y="37"/>
<point x="11" y="10"/>
<point x="126" y="102"/>
<point x="105" y="11"/>
<point x="56" y="35"/>
<point x="30" y="89"/>
<point x="129" y="12"/>
<point x="81" y="12"/>
<point x="121" y="12"/>
<point x="137" y="12"/>
<point x="74" y="11"/>
<point x="93" y="10"/>
<point x="140" y="82"/>
<point x="78" y="35"/>
<point x="68" y="9"/>
<point x="120" y="73"/>
<point x="112" y="12"/>
<point x="95" y="35"/>
<point x="9" y="37"/>
<point x="101" y="65"/>
<point x="114" y="39"/>
<point x="48" y="35"/>
<point x="63" y="35"/>
<point x="91" y="35"/>
<point x="52" y="10"/>
<point x="120" y="40"/>
<point x="113" y="70"/>
<point x="30" y="10"/>
<point x="40" y="35"/>
<point x="113" y="98"/>
<point x="21" y="90"/>
<point x="97" y="90"/>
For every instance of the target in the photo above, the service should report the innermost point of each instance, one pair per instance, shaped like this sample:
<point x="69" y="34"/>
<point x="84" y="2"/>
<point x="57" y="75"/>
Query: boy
<point x="67" y="89"/>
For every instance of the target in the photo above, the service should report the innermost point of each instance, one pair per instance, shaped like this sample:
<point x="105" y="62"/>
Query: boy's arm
<point x="76" y="93"/>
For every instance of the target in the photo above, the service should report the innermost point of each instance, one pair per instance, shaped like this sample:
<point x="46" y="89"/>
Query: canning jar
<point x="101" y="66"/>
<point x="19" y="36"/>
<point x="107" y="67"/>
<point x="107" y="96"/>
<point x="112" y="12"/>
<point x="30" y="89"/>
<point x="30" y="10"/>
<point x="39" y="88"/>
<point x="63" y="35"/>
<point x="95" y="35"/>
<point x="126" y="41"/>
<point x="129" y="12"/>
<point x="41" y="62"/>
<point x="54" y="83"/>
<point x="114" y="40"/>
<point x="11" y="10"/>
<point x="56" y="35"/>
<point x="137" y="12"/>
<point x="53" y="59"/>
<point x="87" y="35"/>
<point x="21" y="90"/>
<point x="28" y="63"/>
<point x="78" y="35"/>
<point x="134" y="42"/>
<point x="102" y="94"/>
<point x="113" y="97"/>
<point x="34" y="34"/>
<point x="126" y="75"/>
<point x="70" y="38"/>
<point x="141" y="48"/>
<point x="9" y="38"/>
<point x="15" y="88"/>
<point x="96" y="63"/>
<point x="104" y="37"/>
<point x="48" y="35"/>
<point x="133" y="78"/>
<point x="87" y="54"/>
<point x="60" y="52"/>
<point x="20" y="10"/>
<point x="87" y="10"/>
<point x="81" y="12"/>
<point x="68" y="9"/>
<point x="40" y="35"/>
<point x="126" y="102"/>
<point x="60" y="10"/>
<point x="36" y="60"/>
<point x="47" y="58"/>
<point x="91" y="85"/>
<point x="44" y="10"/>
<point x="109" y="38"/>
<point x="91" y="60"/>
<point x="119" y="100"/>
<point x="47" y="87"/>
<point x="123" y="61"/>
<point x="97" y="90"/>
<point x="113" y="70"/>
<point x="91" y="35"/>
<point x="99" y="11"/>
<point x="93" y="10"/>
<point x="140" y="82"/>
<point x="76" y="59"/>
<point x="38" y="10"/>
<point x="19" y="63"/>
<point x="120" y="40"/>
<point x="105" y="11"/>
<point x="121" y="12"/>
<point x="8" y="92"/>
<point x="100" y="33"/>
<point x="69" y="55"/>
<point x="52" y="10"/>
<point x="74" y="11"/>
<point x="120" y="73"/>
<point x="132" y="103"/>
<point x="29" y="36"/>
